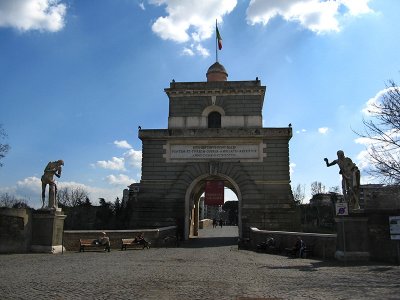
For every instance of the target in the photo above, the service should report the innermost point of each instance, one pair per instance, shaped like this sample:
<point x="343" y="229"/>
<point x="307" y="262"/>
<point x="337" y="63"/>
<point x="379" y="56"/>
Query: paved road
<point x="208" y="267"/>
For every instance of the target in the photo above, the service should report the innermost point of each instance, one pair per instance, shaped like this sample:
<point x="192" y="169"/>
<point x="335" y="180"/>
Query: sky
<point x="77" y="78"/>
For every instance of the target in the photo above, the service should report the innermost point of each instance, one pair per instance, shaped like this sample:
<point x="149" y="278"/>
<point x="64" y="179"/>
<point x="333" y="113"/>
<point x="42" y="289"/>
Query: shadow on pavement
<point x="314" y="266"/>
<point x="204" y="242"/>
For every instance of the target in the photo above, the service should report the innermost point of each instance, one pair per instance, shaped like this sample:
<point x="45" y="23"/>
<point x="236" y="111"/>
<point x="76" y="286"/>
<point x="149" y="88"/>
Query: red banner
<point x="214" y="194"/>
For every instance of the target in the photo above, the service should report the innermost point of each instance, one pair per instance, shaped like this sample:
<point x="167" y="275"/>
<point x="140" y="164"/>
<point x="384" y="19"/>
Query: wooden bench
<point x="91" y="243"/>
<point x="131" y="243"/>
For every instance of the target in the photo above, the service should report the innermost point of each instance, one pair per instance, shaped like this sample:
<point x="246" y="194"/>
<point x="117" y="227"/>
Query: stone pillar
<point x="191" y="224"/>
<point x="352" y="237"/>
<point x="201" y="204"/>
<point x="196" y="219"/>
<point x="47" y="231"/>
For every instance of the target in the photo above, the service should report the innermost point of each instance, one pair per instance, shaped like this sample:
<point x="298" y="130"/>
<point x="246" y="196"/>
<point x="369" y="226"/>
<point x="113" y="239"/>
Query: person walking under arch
<point x="214" y="222"/>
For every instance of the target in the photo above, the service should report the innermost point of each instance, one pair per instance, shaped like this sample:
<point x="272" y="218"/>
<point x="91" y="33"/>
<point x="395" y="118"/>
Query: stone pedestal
<point x="47" y="231"/>
<point x="352" y="237"/>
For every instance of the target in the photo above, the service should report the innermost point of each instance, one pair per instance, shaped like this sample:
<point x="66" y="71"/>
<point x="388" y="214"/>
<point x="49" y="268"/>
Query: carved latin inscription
<point x="199" y="152"/>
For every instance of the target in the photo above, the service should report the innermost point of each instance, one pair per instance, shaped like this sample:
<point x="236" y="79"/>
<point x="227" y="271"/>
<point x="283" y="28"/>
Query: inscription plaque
<point x="188" y="152"/>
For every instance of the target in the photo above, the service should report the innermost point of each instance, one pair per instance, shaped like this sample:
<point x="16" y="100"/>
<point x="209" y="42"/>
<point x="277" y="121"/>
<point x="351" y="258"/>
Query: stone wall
<point x="324" y="245"/>
<point x="205" y="223"/>
<point x="155" y="236"/>
<point x="381" y="247"/>
<point x="15" y="230"/>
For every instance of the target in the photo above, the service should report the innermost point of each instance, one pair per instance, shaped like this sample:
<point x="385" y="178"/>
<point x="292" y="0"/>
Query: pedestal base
<point x="352" y="237"/>
<point x="47" y="231"/>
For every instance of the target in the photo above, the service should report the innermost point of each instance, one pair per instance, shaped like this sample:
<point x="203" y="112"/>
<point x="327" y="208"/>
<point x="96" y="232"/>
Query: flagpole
<point x="216" y="42"/>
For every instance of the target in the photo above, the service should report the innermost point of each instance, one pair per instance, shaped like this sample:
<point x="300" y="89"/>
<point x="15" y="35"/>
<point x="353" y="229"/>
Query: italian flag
<point x="219" y="38"/>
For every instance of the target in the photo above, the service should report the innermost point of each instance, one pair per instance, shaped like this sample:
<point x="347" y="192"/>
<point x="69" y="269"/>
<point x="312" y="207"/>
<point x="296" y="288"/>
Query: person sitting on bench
<point x="268" y="244"/>
<point x="103" y="240"/>
<point x="140" y="240"/>
<point x="299" y="247"/>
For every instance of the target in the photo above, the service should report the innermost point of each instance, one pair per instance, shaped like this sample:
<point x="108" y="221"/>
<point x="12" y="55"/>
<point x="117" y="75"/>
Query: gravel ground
<point x="208" y="267"/>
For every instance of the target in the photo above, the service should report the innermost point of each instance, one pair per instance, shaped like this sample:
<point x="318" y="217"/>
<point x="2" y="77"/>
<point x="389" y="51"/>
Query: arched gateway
<point x="214" y="133"/>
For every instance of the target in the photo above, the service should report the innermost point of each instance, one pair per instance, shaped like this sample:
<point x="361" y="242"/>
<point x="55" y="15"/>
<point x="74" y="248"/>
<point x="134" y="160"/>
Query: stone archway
<point x="251" y="159"/>
<point x="195" y="190"/>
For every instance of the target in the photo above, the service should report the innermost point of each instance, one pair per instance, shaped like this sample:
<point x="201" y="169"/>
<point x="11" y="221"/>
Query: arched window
<point x="214" y="120"/>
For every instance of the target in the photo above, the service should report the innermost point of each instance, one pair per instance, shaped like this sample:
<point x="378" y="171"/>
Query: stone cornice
<point x="182" y="89"/>
<point x="215" y="92"/>
<point x="206" y="133"/>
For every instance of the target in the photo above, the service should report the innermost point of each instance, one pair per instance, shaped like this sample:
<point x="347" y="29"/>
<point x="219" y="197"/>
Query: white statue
<point x="52" y="168"/>
<point x="350" y="178"/>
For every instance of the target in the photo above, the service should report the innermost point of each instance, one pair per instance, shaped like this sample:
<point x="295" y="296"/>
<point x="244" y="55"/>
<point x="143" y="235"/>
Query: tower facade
<point x="215" y="133"/>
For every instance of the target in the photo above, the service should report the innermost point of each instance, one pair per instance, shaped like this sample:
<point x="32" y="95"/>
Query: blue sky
<point x="78" y="77"/>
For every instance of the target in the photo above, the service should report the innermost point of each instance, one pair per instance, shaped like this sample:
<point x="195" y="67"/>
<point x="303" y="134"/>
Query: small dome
<point x="217" y="72"/>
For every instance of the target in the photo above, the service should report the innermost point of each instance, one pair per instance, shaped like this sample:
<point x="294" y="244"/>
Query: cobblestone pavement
<point x="208" y="267"/>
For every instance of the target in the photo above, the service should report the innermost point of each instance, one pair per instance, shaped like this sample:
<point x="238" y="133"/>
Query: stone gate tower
<point x="214" y="132"/>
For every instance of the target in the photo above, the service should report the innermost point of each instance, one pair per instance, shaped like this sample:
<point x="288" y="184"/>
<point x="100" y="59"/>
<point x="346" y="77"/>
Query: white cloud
<point x="358" y="7"/>
<point x="95" y="192"/>
<point x="372" y="105"/>
<point x="367" y="179"/>
<point x="319" y="16"/>
<point x="122" y="144"/>
<point x="141" y="5"/>
<point x="30" y="189"/>
<point x="301" y="131"/>
<point x="31" y="183"/>
<point x="323" y="130"/>
<point x="120" y="180"/>
<point x="202" y="51"/>
<point x="25" y="15"/>
<point x="116" y="163"/>
<point x="389" y="135"/>
<point x="193" y="49"/>
<point x="190" y="18"/>
<point x="291" y="168"/>
<point x="364" y="158"/>
<point x="363" y="141"/>
<point x="133" y="158"/>
<point x="187" y="51"/>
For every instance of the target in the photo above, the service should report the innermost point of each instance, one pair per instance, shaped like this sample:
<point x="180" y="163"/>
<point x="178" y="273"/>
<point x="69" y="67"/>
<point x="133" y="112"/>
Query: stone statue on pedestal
<point x="350" y="178"/>
<point x="52" y="168"/>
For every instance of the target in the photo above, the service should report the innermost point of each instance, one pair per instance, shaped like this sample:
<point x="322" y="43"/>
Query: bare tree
<point x="383" y="132"/>
<point x="4" y="148"/>
<point x="299" y="194"/>
<point x="72" y="196"/>
<point x="334" y="189"/>
<point x="7" y="200"/>
<point x="317" y="188"/>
